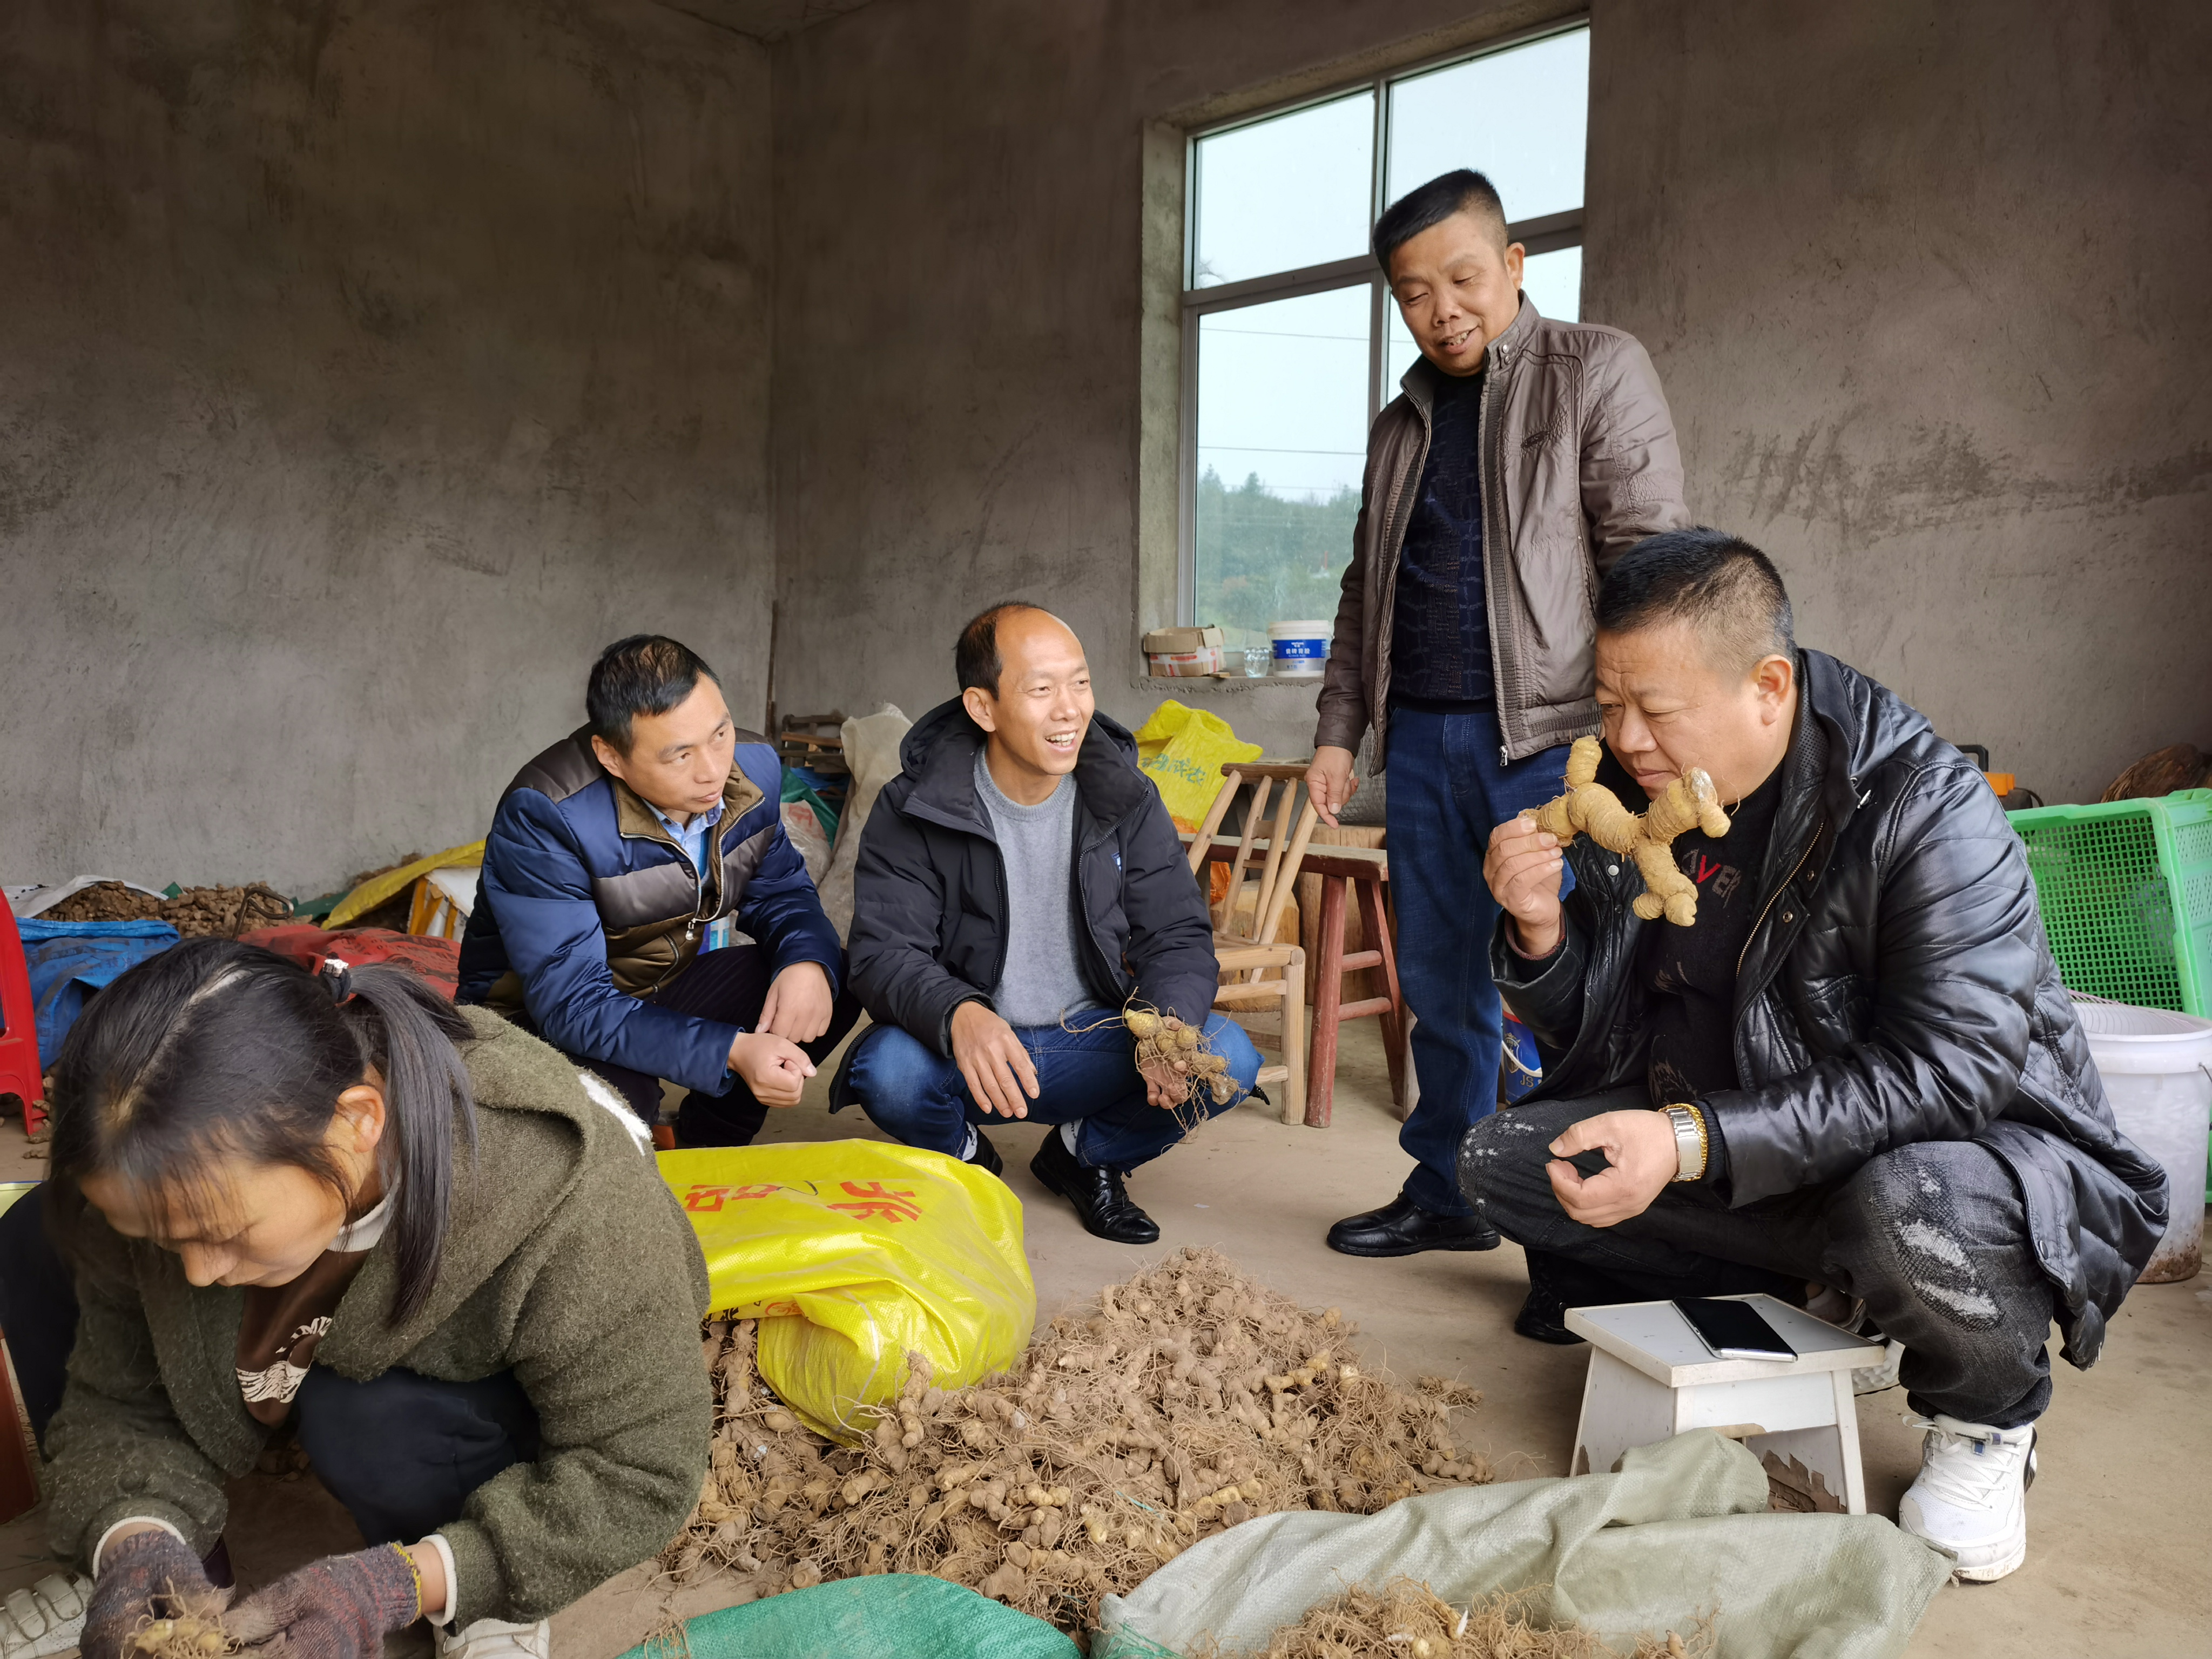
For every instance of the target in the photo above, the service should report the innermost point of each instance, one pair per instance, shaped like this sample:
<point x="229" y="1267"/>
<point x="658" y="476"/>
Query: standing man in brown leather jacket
<point x="1524" y="456"/>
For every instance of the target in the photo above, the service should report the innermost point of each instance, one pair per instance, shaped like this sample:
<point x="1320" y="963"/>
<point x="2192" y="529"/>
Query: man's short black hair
<point x="1720" y="584"/>
<point x="1461" y="191"/>
<point x="976" y="659"/>
<point x="644" y="674"/>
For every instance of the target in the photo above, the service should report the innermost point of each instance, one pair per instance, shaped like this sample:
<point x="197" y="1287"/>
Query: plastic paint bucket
<point x="2157" y="1067"/>
<point x="1298" y="647"/>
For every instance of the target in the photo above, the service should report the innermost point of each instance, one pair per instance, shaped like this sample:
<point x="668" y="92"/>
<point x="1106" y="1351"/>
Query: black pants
<point x="402" y="1452"/>
<point x="1933" y="1237"/>
<point x="728" y="985"/>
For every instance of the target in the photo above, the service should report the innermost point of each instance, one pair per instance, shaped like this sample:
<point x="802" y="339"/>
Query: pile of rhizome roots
<point x="195" y="912"/>
<point x="1409" y="1620"/>
<point x="1181" y="1402"/>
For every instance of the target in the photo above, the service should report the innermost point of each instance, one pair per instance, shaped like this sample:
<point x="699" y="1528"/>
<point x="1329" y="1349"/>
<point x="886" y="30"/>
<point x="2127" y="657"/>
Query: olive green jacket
<point x="567" y="1261"/>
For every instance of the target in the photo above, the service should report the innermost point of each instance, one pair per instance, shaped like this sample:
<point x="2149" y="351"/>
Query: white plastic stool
<point x="1651" y="1379"/>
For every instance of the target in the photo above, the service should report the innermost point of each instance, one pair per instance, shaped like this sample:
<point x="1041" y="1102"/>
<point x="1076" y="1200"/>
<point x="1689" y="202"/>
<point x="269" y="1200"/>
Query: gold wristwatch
<point x="1690" y="1148"/>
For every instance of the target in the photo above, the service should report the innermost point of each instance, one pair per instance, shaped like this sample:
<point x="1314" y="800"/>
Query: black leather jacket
<point x="1896" y="987"/>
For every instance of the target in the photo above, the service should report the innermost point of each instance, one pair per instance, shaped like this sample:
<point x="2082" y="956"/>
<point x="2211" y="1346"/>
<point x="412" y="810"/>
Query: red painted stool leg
<point x="1377" y="923"/>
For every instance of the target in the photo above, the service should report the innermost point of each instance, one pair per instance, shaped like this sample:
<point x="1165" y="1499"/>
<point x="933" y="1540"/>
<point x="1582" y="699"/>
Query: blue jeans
<point x="915" y="1095"/>
<point x="1447" y="792"/>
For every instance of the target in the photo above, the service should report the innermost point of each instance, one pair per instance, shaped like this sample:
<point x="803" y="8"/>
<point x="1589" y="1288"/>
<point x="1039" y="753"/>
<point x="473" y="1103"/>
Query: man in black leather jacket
<point x="1870" y="1087"/>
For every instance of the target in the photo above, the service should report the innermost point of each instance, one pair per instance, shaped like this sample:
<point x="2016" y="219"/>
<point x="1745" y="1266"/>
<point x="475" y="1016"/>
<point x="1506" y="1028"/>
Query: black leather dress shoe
<point x="1555" y="1284"/>
<point x="1100" y="1199"/>
<point x="1402" y="1227"/>
<point x="986" y="1156"/>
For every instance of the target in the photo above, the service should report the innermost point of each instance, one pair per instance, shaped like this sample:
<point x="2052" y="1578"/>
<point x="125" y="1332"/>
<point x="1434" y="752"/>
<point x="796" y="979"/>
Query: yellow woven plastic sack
<point x="1183" y="750"/>
<point x="850" y="1254"/>
<point x="375" y="890"/>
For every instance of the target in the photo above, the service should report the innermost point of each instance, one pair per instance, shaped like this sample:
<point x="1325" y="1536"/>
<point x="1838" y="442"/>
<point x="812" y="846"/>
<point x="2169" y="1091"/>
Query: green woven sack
<point x="889" y="1616"/>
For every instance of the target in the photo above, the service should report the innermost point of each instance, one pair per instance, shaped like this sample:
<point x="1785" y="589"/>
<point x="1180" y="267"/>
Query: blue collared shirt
<point x="692" y="837"/>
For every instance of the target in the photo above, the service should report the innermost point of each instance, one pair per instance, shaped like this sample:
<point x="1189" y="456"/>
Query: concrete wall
<point x="1927" y="287"/>
<point x="1925" y="284"/>
<point x="362" y="371"/>
<point x="960" y="291"/>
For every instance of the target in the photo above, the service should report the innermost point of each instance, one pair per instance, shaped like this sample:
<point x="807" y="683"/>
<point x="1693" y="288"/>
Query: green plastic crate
<point x="2125" y="889"/>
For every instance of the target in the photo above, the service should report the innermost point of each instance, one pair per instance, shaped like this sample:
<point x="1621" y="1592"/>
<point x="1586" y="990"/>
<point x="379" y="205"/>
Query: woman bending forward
<point x="411" y="1225"/>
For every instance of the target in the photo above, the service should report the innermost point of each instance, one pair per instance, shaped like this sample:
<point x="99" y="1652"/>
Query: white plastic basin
<point x="2157" y="1067"/>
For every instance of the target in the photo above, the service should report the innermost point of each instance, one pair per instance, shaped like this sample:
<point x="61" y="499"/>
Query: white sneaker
<point x="494" y="1638"/>
<point x="1971" y="1496"/>
<point x="45" y="1618"/>
<point x="1873" y="1379"/>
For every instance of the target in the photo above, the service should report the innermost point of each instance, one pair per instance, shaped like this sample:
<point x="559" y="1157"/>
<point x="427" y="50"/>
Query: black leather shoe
<point x="1100" y="1199"/>
<point x="1556" y="1285"/>
<point x="986" y="1156"/>
<point x="1402" y="1227"/>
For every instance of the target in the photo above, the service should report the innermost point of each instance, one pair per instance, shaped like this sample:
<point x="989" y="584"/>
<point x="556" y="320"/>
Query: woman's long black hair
<point x="216" y="1051"/>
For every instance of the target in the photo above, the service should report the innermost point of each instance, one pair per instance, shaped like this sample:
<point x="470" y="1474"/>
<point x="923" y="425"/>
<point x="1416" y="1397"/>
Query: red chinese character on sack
<point x="705" y="1198"/>
<point x="764" y="1189"/>
<point x="878" y="1203"/>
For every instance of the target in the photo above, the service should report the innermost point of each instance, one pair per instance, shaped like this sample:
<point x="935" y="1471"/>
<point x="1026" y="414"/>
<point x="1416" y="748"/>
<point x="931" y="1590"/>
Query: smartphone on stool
<point x="1733" y="1330"/>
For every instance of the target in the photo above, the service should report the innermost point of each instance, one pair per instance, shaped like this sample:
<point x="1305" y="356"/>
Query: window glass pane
<point x="1282" y="432"/>
<point x="1282" y="194"/>
<point x="1517" y="116"/>
<point x="1552" y="282"/>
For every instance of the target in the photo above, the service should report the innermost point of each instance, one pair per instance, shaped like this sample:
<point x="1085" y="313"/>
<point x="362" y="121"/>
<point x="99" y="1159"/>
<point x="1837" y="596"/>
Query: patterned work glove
<point x="339" y="1608"/>
<point x="135" y="1573"/>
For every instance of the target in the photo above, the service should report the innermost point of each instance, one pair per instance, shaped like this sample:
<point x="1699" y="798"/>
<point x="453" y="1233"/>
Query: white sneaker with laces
<point x="494" y="1638"/>
<point x="45" y="1619"/>
<point x="1971" y="1496"/>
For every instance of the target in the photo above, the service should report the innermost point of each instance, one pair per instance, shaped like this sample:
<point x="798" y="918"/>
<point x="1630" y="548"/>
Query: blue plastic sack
<point x="70" y="960"/>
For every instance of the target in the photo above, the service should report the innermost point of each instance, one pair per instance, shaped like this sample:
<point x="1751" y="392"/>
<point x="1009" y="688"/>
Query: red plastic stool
<point x="19" y="1030"/>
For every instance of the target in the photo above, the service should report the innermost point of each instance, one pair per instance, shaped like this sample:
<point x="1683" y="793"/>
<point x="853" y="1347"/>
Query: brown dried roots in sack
<point x="1409" y="1620"/>
<point x="1181" y="1401"/>
<point x="195" y="912"/>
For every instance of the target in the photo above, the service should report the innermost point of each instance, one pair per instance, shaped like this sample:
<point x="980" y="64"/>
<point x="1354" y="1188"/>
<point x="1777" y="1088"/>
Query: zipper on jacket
<point x="1492" y="481"/>
<point x="1757" y="923"/>
<point x="1394" y="537"/>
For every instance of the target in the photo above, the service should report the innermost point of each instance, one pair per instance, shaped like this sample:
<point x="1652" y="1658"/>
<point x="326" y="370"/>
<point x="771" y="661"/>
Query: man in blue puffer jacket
<point x="611" y="856"/>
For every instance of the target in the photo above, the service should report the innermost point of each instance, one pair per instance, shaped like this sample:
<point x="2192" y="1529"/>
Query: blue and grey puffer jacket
<point x="587" y="905"/>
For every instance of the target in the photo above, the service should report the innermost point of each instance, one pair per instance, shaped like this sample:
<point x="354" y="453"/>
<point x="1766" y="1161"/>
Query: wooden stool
<point x="1342" y="870"/>
<point x="1256" y="969"/>
<point x="1651" y="1377"/>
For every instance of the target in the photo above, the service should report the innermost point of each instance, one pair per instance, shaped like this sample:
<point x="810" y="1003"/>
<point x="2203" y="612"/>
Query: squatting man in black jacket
<point x="1018" y="883"/>
<point x="1857" y="1078"/>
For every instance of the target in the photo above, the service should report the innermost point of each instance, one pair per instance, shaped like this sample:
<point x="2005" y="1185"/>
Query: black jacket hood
<point x="938" y="755"/>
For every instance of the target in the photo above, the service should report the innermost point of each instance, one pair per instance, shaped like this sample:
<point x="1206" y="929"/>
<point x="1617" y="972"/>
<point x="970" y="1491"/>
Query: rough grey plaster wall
<point x="363" y="370"/>
<point x="958" y="298"/>
<point x="1926" y="284"/>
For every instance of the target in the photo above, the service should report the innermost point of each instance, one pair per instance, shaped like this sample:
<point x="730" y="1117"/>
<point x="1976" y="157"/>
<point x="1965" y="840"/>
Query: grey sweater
<point x="1041" y="981"/>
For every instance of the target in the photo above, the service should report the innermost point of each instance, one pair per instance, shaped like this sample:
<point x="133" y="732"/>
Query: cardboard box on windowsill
<point x="1182" y="653"/>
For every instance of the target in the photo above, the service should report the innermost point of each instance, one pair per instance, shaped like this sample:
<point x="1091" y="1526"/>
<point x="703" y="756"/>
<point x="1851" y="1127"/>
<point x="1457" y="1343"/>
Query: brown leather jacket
<point x="1579" y="465"/>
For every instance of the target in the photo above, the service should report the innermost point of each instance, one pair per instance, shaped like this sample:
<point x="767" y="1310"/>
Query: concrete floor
<point x="2121" y="1515"/>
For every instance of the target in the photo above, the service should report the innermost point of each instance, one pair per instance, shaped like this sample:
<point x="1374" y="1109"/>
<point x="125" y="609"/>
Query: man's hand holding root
<point x="1001" y="1077"/>
<point x="1640" y="1148"/>
<point x="1522" y="869"/>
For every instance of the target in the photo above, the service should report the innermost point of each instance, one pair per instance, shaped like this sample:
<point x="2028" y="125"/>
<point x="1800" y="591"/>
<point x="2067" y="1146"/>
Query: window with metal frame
<point x="1291" y="343"/>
